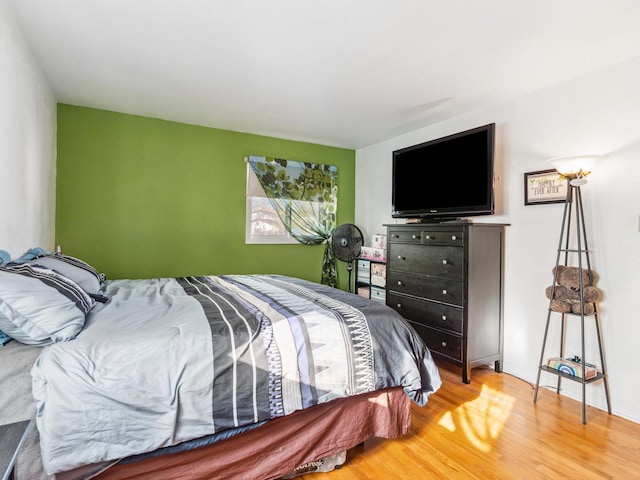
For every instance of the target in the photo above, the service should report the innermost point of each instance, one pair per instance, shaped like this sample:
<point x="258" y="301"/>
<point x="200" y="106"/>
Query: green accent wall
<point x="140" y="197"/>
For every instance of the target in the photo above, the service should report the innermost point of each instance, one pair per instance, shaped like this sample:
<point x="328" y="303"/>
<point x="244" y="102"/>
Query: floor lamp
<point x="573" y="242"/>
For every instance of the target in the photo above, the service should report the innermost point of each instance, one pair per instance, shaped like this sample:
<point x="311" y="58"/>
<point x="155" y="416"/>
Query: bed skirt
<point x="279" y="446"/>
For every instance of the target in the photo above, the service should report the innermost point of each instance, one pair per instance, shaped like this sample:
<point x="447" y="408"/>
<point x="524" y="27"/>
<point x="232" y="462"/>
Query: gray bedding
<point x="170" y="360"/>
<point x="17" y="404"/>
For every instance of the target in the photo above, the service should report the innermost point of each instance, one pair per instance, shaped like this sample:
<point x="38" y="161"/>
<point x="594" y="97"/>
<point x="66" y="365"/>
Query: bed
<point x="235" y="376"/>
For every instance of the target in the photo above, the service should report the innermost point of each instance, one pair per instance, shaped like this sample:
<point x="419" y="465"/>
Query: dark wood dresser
<point x="447" y="280"/>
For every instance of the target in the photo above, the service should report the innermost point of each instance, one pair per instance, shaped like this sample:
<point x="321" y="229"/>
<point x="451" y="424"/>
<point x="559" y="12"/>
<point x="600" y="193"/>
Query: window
<point x="302" y="195"/>
<point x="263" y="223"/>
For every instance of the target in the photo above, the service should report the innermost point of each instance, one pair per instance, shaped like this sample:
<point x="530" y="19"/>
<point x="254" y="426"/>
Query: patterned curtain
<point x="305" y="195"/>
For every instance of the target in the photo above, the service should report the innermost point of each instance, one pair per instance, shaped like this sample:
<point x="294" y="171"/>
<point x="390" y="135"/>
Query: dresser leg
<point x="466" y="373"/>
<point x="498" y="366"/>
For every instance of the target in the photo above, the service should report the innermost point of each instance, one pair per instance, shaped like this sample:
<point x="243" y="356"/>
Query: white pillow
<point x="39" y="306"/>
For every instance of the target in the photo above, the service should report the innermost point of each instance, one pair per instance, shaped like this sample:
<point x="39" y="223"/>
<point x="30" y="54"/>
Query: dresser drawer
<point x="426" y="313"/>
<point x="432" y="288"/>
<point x="438" y="261"/>
<point x="412" y="235"/>
<point x="443" y="343"/>
<point x="427" y="236"/>
<point x="442" y="237"/>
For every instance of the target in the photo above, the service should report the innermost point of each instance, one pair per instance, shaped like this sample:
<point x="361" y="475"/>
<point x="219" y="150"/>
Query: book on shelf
<point x="572" y="367"/>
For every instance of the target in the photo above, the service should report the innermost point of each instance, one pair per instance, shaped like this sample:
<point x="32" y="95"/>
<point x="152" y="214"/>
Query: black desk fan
<point x="346" y="243"/>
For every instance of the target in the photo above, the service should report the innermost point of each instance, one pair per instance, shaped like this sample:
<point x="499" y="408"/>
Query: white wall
<point x="27" y="146"/>
<point x="598" y="113"/>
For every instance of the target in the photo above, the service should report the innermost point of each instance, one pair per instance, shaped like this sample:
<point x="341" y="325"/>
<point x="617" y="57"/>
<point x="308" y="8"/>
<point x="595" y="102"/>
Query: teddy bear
<point x="566" y="295"/>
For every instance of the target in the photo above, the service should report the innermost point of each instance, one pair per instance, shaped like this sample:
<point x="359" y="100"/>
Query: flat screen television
<point x="446" y="178"/>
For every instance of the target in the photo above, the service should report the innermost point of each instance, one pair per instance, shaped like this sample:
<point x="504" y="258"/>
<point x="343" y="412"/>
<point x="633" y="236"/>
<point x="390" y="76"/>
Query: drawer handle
<point x="444" y="344"/>
<point x="444" y="318"/>
<point x="444" y="262"/>
<point x="395" y="235"/>
<point x="453" y="237"/>
<point x="444" y="292"/>
<point x="399" y="283"/>
<point x="400" y="257"/>
<point x="428" y="237"/>
<point x="399" y="305"/>
<point x="414" y="236"/>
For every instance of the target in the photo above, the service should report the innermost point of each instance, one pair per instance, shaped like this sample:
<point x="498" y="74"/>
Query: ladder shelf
<point x="574" y="201"/>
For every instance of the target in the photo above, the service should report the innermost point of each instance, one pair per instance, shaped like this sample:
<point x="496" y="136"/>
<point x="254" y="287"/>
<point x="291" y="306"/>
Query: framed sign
<point x="544" y="186"/>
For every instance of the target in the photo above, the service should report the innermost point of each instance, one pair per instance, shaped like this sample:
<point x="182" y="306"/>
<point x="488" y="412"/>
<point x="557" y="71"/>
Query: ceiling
<point x="343" y="73"/>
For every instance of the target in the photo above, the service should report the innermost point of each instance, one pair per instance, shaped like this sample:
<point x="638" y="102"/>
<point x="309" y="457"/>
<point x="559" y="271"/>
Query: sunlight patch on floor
<point x="481" y="419"/>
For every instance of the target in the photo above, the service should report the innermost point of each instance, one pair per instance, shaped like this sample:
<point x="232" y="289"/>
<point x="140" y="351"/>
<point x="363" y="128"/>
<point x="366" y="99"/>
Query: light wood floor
<point x="491" y="429"/>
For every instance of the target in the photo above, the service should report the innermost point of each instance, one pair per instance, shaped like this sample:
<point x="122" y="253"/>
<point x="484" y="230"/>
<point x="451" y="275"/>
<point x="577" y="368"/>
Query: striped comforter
<point x="170" y="360"/>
